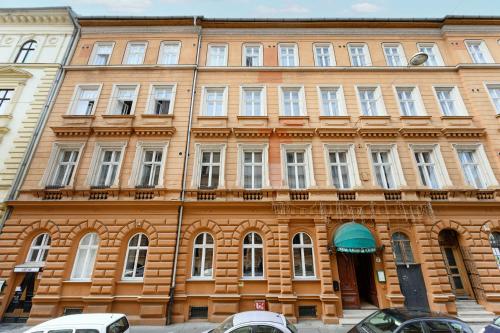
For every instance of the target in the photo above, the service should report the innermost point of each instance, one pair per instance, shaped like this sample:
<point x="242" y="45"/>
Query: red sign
<point x="260" y="305"/>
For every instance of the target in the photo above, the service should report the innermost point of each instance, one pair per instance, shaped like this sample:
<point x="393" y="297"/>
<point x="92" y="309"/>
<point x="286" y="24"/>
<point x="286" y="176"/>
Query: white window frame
<point x="141" y="148"/>
<point x="488" y="59"/>
<point x="309" y="168"/>
<point x="461" y="110"/>
<point x="151" y="99"/>
<point x="301" y="247"/>
<point x="203" y="246"/>
<point x="113" y="97"/>
<point x="94" y="52"/>
<point x="263" y="99"/>
<point x="483" y="162"/>
<point x="127" y="53"/>
<point x="203" y="104"/>
<point x="161" y="52"/>
<point x="242" y="148"/>
<point x="244" y="55"/>
<point x="42" y="249"/>
<point x="381" y="110"/>
<point x="76" y="94"/>
<point x="401" y="54"/>
<point x="210" y="61"/>
<point x="417" y="97"/>
<point x="366" y="50"/>
<point x="52" y="163"/>
<point x="442" y="176"/>
<point x="88" y="249"/>
<point x="493" y="85"/>
<point x="396" y="168"/>
<point x="330" y="53"/>
<point x="199" y="149"/>
<point x="302" y="100"/>
<point x="435" y="50"/>
<point x="137" y="249"/>
<point x="340" y="100"/>
<point x="8" y="104"/>
<point x="95" y="163"/>
<point x="353" y="170"/>
<point x="252" y="246"/>
<point x="295" y="54"/>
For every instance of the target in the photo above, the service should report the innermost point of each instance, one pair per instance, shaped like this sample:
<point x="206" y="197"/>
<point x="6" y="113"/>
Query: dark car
<point x="410" y="321"/>
<point x="494" y="327"/>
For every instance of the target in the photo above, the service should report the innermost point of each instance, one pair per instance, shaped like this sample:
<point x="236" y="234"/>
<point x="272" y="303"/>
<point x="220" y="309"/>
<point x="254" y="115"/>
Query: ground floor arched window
<point x="495" y="245"/>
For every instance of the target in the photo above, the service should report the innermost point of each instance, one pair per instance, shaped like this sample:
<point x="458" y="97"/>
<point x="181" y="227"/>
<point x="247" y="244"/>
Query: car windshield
<point x="291" y="327"/>
<point x="226" y="324"/>
<point x="382" y="322"/>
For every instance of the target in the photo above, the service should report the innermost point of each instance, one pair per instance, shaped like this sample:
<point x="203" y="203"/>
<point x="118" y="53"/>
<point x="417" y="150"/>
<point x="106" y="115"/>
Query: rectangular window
<point x="161" y="100"/>
<point x="478" y="52"/>
<point x="370" y="99"/>
<point x="101" y="53"/>
<point x="169" y="53"/>
<point x="253" y="169"/>
<point x="332" y="103"/>
<point x="434" y="56"/>
<point x="5" y="98"/>
<point x="450" y="102"/>
<point x="123" y="100"/>
<point x="339" y="168"/>
<point x="475" y="166"/>
<point x="394" y="55"/>
<point x="383" y="167"/>
<point x="427" y="168"/>
<point x="214" y="103"/>
<point x="494" y="91"/>
<point x="64" y="168"/>
<point x="217" y="55"/>
<point x="292" y="101"/>
<point x="410" y="103"/>
<point x="323" y="55"/>
<point x="288" y="55"/>
<point x="359" y="54"/>
<point x="252" y="99"/>
<point x="151" y="167"/>
<point x="210" y="169"/>
<point x="107" y="167"/>
<point x="296" y="169"/>
<point x="85" y="100"/>
<point x="134" y="55"/>
<point x="252" y="55"/>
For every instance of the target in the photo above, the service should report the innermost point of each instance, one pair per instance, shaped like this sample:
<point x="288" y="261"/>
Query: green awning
<point x="353" y="237"/>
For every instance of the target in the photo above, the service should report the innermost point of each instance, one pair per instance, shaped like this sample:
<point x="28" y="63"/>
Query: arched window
<point x="136" y="257"/>
<point x="303" y="258"/>
<point x="495" y="245"/>
<point x="401" y="247"/>
<point x="253" y="257"/>
<point x="85" y="257"/>
<point x="26" y="52"/>
<point x="203" y="255"/>
<point x="39" y="248"/>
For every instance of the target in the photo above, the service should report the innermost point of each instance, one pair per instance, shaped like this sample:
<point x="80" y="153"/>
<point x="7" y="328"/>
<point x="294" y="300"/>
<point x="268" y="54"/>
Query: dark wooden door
<point x="412" y="286"/>
<point x="348" y="284"/>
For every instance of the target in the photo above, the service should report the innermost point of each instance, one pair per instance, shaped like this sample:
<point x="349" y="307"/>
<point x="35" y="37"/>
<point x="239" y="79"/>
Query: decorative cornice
<point x="378" y="132"/>
<point x="71" y="131"/>
<point x="284" y="131"/>
<point x="112" y="131"/>
<point x="154" y="130"/>
<point x="211" y="132"/>
<point x="463" y="132"/>
<point x="47" y="18"/>
<point x="14" y="72"/>
<point x="252" y="132"/>
<point x="420" y="131"/>
<point x="336" y="132"/>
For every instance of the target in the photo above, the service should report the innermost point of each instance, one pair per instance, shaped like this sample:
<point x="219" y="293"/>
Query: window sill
<point x="211" y="117"/>
<point x="415" y="117"/>
<point x="148" y="115"/>
<point x="201" y="280"/>
<point x="306" y="279"/>
<point x="293" y="117"/>
<point x="246" y="279"/>
<point x="113" y="116"/>
<point x="455" y="117"/>
<point x="77" y="116"/>
<point x="335" y="117"/>
<point x="130" y="281"/>
<point x="374" y="117"/>
<point x="252" y="117"/>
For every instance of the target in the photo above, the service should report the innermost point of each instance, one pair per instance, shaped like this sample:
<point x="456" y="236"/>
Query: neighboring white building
<point x="34" y="44"/>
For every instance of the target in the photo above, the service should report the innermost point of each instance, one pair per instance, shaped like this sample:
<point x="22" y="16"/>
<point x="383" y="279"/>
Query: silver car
<point x="255" y="322"/>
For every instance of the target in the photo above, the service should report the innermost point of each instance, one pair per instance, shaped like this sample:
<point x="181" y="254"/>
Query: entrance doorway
<point x="357" y="283"/>
<point x="455" y="264"/>
<point x="19" y="307"/>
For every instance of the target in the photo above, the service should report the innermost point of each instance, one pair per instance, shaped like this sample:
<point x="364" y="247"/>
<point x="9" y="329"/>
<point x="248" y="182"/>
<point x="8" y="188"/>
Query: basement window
<point x="198" y="312"/>
<point x="72" y="311"/>
<point x="307" y="311"/>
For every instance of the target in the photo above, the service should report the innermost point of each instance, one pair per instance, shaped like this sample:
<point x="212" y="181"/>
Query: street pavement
<point x="313" y="326"/>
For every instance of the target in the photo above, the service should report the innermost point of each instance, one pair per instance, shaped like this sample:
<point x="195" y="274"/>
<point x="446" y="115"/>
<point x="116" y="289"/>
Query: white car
<point x="85" y="323"/>
<point x="255" y="322"/>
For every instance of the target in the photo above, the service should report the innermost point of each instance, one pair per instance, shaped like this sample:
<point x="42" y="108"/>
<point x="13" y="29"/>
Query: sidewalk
<point x="314" y="326"/>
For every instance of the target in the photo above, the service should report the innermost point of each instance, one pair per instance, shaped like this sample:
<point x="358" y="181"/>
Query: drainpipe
<point x="184" y="177"/>
<point x="30" y="150"/>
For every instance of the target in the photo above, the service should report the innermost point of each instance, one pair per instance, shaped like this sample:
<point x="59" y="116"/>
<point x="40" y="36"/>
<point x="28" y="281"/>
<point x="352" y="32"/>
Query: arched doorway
<point x="355" y="246"/>
<point x="455" y="264"/>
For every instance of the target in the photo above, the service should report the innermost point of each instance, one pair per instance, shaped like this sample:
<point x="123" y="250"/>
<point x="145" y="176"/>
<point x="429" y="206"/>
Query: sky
<point x="272" y="8"/>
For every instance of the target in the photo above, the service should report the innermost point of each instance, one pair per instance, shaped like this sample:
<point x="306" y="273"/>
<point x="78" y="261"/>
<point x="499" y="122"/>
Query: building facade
<point x="194" y="168"/>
